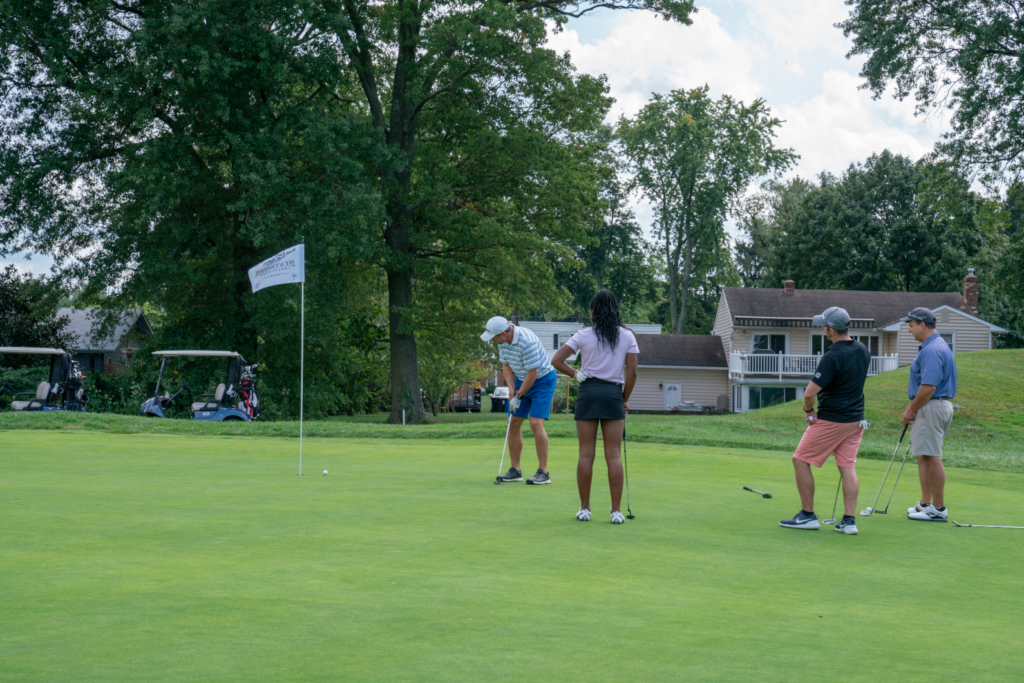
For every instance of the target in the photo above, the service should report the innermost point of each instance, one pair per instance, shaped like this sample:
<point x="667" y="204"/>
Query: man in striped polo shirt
<point x="526" y="366"/>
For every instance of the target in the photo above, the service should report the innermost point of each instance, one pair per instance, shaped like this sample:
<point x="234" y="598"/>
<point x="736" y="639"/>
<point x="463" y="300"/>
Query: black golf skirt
<point x="599" y="399"/>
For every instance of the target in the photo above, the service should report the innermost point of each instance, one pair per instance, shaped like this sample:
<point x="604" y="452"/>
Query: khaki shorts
<point x="930" y="427"/>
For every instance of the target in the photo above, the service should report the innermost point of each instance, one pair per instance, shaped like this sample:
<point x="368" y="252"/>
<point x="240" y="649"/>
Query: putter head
<point x="766" y="495"/>
<point x="828" y="521"/>
<point x="882" y="512"/>
<point x="630" y="516"/>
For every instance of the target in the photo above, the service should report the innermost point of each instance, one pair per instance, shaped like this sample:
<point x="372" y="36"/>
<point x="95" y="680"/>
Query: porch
<point x="782" y="366"/>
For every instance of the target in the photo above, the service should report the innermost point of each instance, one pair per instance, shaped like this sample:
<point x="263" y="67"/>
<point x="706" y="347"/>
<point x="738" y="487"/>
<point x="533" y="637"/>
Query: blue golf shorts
<point x="537" y="401"/>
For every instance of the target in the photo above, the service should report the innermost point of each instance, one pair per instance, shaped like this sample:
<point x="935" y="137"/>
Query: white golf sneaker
<point x="917" y="508"/>
<point x="930" y="514"/>
<point x="583" y="515"/>
<point x="617" y="518"/>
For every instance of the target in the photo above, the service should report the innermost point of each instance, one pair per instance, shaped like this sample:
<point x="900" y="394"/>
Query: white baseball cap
<point x="494" y="327"/>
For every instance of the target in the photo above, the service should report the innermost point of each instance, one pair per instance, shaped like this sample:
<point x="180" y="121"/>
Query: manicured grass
<point x="988" y="435"/>
<point x="160" y="557"/>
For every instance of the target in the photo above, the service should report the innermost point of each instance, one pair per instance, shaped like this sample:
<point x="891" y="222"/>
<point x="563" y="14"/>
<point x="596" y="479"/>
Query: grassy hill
<point x="987" y="434"/>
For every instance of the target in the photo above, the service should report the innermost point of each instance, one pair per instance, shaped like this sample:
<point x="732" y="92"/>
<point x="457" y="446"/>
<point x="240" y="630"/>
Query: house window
<point x="555" y="344"/>
<point x="769" y="343"/>
<point x="819" y="344"/>
<point x="762" y="397"/>
<point x="869" y="341"/>
<point x="950" y="339"/>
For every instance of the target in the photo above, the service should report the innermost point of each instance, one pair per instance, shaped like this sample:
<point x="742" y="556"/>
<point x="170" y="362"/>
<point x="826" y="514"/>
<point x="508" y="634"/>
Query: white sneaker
<point x="917" y="508"/>
<point x="929" y="514"/>
<point x="617" y="518"/>
<point x="583" y="515"/>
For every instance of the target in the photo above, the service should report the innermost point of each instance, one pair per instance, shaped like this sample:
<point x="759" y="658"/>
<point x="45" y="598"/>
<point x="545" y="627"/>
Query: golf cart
<point x="234" y="400"/>
<point x="63" y="392"/>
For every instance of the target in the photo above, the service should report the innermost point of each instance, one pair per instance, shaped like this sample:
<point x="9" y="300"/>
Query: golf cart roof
<point x="202" y="354"/>
<point x="30" y="350"/>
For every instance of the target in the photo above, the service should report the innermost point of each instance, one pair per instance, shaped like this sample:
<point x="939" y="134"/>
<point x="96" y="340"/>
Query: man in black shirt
<point x="838" y="424"/>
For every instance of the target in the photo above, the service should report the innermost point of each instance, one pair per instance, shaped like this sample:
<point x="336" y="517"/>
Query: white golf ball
<point x="325" y="473"/>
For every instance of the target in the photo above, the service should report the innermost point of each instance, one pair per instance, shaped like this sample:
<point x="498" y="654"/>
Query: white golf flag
<point x="280" y="269"/>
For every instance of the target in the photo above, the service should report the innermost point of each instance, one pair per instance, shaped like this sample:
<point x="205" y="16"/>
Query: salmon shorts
<point x="821" y="439"/>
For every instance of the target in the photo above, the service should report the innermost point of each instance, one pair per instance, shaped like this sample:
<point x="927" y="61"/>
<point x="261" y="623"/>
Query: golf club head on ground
<point x="828" y="521"/>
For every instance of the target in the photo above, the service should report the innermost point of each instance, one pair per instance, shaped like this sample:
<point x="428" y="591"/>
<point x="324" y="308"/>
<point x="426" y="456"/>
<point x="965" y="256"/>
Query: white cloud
<point x="785" y="51"/>
<point x="644" y="54"/>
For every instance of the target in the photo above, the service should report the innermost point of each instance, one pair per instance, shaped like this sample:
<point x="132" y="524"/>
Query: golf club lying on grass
<point x="832" y="520"/>
<point x="763" y="494"/>
<point x="629" y="513"/>
<point x="987" y="526"/>
<point x="871" y="509"/>
<point x="497" y="480"/>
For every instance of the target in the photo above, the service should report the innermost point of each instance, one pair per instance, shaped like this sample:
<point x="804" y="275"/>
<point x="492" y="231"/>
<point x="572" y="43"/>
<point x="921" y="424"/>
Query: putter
<point x="871" y="510"/>
<point x="502" y="464"/>
<point x="835" y="502"/>
<point x="763" y="494"/>
<point x="987" y="526"/>
<point x="629" y="513"/>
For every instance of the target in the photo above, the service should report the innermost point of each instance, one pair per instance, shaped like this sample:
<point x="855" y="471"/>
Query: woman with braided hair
<point x="606" y="376"/>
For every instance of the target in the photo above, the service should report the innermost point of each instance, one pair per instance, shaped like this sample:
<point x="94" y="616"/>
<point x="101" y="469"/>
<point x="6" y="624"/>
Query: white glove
<point x="514" y="404"/>
<point x="581" y="376"/>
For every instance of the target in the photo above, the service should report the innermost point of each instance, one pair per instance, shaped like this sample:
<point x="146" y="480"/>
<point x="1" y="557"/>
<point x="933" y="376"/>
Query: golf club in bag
<point x="501" y="465"/>
<point x="625" y="460"/>
<point x="871" y="510"/>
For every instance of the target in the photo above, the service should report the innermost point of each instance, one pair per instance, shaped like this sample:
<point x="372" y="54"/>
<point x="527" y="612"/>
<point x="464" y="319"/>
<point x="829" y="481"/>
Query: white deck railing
<point x="784" y="365"/>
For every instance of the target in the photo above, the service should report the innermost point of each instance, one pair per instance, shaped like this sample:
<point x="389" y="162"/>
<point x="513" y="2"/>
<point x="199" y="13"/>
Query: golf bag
<point x="66" y="388"/>
<point x="242" y="385"/>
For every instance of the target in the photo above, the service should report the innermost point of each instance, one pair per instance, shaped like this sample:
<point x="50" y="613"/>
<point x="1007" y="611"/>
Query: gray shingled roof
<point x="684" y="350"/>
<point x="84" y="320"/>
<point x="884" y="308"/>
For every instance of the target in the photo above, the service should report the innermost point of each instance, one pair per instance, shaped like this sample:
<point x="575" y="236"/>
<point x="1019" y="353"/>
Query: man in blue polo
<point x="931" y="390"/>
<point x="526" y="366"/>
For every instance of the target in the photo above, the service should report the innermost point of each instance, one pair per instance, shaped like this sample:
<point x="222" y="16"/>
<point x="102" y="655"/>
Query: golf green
<point x="164" y="558"/>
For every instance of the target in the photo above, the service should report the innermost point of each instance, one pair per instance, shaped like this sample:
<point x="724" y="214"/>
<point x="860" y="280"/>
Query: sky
<point x="785" y="51"/>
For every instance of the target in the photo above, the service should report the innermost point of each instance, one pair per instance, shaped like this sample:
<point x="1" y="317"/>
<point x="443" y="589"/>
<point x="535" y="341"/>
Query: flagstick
<point x="302" y="371"/>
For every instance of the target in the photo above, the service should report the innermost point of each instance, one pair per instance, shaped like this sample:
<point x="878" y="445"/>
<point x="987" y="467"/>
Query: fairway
<point x="170" y="558"/>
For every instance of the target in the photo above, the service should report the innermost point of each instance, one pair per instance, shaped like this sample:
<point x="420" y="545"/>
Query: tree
<point x="762" y="217"/>
<point x="889" y="225"/>
<point x="445" y="365"/>
<point x="960" y="55"/>
<point x="164" y="148"/>
<point x="692" y="157"/>
<point x="28" y="319"/>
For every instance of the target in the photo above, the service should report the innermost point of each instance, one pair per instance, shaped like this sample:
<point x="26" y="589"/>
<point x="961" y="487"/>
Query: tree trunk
<point x="673" y="275"/>
<point x="687" y="272"/>
<point x="405" y="379"/>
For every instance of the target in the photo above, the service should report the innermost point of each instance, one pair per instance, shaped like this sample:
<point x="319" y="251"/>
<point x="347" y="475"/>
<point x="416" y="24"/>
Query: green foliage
<point x="446" y="364"/>
<point x="961" y="56"/>
<point x="692" y="157"/>
<point x="763" y="217"/>
<point x="28" y="318"/>
<point x="889" y="225"/>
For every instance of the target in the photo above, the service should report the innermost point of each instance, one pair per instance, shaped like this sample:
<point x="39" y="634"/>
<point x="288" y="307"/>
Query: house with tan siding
<point x="773" y="348"/>
<point x="680" y="372"/>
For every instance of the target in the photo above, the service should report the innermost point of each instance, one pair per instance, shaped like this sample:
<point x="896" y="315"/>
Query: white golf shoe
<point x="917" y="508"/>
<point x="617" y="518"/>
<point x="583" y="515"/>
<point x="930" y="514"/>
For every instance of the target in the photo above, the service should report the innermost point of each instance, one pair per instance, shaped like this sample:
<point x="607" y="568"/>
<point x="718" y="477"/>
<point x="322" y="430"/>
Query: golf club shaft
<point x="891" y="461"/>
<point x="625" y="461"/>
<point x="988" y="526"/>
<point x="507" y="430"/>
<point x="896" y="483"/>
<point x="836" y="501"/>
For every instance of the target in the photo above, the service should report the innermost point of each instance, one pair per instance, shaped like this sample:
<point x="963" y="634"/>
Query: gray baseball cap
<point x="834" y="317"/>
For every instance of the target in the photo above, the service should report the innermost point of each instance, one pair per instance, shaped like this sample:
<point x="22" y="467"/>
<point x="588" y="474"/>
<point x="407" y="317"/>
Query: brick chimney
<point x="790" y="288"/>
<point x="971" y="292"/>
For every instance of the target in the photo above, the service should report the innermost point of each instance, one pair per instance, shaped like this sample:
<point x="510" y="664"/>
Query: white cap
<point x="494" y="327"/>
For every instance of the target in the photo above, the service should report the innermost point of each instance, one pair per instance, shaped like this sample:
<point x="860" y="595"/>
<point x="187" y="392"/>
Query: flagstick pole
<point x="302" y="371"/>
